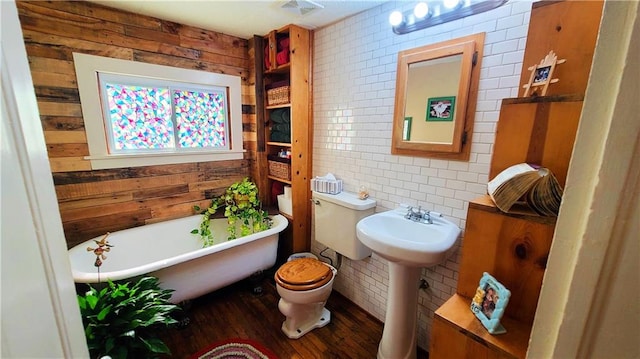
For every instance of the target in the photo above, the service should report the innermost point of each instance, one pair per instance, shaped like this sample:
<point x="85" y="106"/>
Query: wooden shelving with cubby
<point x="284" y="105"/>
<point x="514" y="248"/>
<point x="511" y="247"/>
<point x="278" y="144"/>
<point x="449" y="341"/>
<point x="279" y="70"/>
<point x="273" y="178"/>
<point x="295" y="73"/>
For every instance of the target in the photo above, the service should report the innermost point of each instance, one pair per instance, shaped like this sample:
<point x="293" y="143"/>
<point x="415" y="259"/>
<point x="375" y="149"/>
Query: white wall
<point x="354" y="87"/>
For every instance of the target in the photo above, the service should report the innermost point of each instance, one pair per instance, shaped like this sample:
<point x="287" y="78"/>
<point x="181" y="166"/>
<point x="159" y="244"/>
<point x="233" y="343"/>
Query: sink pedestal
<point x="399" y="333"/>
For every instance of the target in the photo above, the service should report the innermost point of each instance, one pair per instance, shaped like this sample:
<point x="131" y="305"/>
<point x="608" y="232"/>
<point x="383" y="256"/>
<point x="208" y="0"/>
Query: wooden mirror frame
<point x="471" y="48"/>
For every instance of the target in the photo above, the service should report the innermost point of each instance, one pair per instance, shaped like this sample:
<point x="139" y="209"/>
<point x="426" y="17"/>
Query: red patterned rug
<point x="235" y="349"/>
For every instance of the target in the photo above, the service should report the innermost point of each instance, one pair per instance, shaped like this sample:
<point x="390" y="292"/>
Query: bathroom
<point x="352" y="112"/>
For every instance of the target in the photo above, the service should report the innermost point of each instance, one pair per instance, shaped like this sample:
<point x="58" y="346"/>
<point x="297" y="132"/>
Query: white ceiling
<point x="244" y="18"/>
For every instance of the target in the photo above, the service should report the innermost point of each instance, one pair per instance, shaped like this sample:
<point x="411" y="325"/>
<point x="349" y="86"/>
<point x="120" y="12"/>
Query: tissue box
<point x="284" y="204"/>
<point x="324" y="185"/>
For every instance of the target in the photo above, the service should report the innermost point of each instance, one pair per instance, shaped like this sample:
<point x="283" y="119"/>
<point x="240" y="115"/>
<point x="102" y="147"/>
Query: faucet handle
<point x="409" y="212"/>
<point x="426" y="217"/>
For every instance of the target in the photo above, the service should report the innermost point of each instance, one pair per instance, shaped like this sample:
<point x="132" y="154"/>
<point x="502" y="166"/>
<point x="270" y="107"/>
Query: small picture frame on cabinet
<point x="490" y="302"/>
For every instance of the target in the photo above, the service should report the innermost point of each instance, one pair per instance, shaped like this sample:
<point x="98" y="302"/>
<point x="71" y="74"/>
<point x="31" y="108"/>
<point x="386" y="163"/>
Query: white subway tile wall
<point x="354" y="88"/>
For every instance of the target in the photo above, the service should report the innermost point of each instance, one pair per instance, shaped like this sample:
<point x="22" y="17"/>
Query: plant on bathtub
<point x="243" y="210"/>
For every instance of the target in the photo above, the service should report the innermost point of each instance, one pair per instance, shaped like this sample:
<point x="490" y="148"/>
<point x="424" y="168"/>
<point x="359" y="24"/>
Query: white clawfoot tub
<point x="169" y="251"/>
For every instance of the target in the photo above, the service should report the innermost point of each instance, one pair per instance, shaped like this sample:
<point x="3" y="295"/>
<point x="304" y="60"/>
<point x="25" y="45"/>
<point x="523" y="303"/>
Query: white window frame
<point x="87" y="69"/>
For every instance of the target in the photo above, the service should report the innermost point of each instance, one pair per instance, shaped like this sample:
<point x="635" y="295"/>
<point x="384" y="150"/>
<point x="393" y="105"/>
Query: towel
<point x="281" y="127"/>
<point x="280" y="137"/>
<point x="281" y="115"/>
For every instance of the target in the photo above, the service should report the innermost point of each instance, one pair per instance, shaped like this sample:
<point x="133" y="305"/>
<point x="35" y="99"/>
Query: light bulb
<point x="450" y="4"/>
<point x="421" y="10"/>
<point x="395" y="18"/>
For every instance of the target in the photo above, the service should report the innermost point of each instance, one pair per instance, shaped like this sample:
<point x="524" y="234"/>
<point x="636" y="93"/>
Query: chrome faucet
<point x="411" y="214"/>
<point x="418" y="215"/>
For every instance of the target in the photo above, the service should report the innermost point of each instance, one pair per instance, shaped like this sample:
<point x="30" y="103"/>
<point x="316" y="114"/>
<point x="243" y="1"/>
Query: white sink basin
<point x="406" y="242"/>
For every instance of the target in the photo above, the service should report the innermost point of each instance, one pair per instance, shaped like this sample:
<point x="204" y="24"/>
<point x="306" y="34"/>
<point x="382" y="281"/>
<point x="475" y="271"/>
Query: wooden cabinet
<point x="457" y="334"/>
<point x="539" y="130"/>
<point x="570" y="29"/>
<point x="514" y="248"/>
<point x="283" y="85"/>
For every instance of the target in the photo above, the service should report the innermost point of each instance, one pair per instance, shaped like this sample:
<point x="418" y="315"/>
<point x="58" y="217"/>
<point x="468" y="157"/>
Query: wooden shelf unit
<point x="570" y="29"/>
<point x="297" y="74"/>
<point x="514" y="248"/>
<point x="279" y="144"/>
<point x="448" y="341"/>
<point x="538" y="130"/>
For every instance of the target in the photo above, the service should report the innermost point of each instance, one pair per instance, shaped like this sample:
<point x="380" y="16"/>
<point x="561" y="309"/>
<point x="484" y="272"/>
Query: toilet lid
<point x="303" y="274"/>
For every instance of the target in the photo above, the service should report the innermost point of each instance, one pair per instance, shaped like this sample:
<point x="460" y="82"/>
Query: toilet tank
<point x="335" y="217"/>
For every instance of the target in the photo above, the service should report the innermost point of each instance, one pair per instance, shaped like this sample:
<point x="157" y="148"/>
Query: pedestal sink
<point x="408" y="246"/>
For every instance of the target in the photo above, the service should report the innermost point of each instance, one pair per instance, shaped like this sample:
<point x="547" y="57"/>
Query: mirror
<point x="436" y="95"/>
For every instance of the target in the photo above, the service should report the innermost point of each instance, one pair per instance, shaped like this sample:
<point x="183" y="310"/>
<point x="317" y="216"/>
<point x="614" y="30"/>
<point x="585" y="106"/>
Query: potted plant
<point x="242" y="208"/>
<point x="122" y="320"/>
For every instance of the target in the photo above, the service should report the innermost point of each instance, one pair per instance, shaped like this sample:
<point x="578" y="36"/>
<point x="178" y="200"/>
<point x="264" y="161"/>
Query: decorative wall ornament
<point x="542" y="75"/>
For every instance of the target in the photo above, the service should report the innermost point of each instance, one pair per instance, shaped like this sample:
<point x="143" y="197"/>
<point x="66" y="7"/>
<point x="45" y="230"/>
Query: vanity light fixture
<point x="435" y="12"/>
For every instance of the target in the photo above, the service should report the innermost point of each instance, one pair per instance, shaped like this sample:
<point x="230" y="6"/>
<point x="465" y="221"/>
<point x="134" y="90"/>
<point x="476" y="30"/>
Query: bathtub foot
<point x="186" y="305"/>
<point x="184" y="322"/>
<point x="255" y="281"/>
<point x="183" y="316"/>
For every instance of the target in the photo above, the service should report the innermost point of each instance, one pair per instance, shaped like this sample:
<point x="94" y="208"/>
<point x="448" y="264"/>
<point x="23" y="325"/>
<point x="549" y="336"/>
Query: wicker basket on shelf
<point x="278" y="96"/>
<point x="279" y="167"/>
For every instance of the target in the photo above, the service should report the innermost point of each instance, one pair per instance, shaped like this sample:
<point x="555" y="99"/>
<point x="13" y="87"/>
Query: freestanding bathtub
<point x="169" y="251"/>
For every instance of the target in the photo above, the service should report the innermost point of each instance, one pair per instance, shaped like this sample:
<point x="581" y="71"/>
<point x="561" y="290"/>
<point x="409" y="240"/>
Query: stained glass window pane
<point x="140" y="117"/>
<point x="201" y="118"/>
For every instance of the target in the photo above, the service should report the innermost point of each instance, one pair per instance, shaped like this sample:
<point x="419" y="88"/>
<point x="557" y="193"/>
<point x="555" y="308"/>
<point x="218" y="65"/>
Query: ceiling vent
<point x="301" y="7"/>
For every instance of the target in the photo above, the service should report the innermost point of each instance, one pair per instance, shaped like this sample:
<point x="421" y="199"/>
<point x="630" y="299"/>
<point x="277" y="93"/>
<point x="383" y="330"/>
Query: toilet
<point x="304" y="283"/>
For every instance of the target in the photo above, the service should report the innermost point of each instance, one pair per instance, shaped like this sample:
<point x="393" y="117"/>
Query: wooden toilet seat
<point x="303" y="274"/>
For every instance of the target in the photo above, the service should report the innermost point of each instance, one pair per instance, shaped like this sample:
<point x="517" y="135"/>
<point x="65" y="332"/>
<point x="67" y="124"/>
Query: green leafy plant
<point x="204" y="230"/>
<point x="122" y="320"/>
<point x="242" y="208"/>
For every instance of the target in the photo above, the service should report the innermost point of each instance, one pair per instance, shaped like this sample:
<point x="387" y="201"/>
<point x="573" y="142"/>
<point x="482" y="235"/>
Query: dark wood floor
<point x="237" y="312"/>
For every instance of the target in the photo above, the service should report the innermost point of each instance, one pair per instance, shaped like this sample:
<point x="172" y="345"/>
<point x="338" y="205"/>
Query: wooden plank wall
<point x="94" y="202"/>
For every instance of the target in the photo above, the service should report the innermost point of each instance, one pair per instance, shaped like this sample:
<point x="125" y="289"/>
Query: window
<point x="145" y="115"/>
<point x="139" y="114"/>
